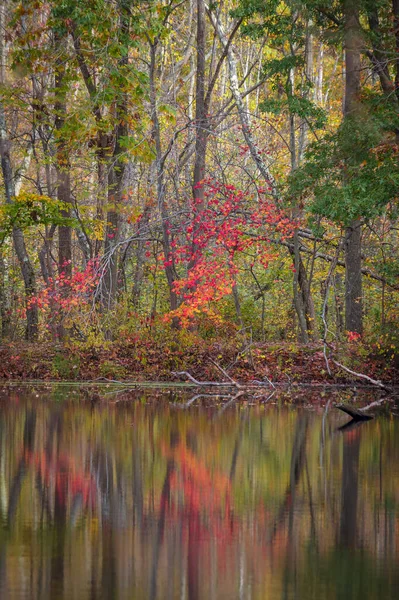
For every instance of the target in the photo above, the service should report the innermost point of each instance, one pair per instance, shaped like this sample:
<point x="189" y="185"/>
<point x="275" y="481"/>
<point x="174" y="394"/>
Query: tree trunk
<point x="116" y="170"/>
<point x="353" y="278"/>
<point x="170" y="272"/>
<point x="4" y="301"/>
<point x="318" y="89"/>
<point x="395" y="8"/>
<point x="243" y="113"/>
<point x="305" y="92"/>
<point x="63" y="166"/>
<point x="27" y="270"/>
<point x="303" y="301"/>
<point x="201" y="133"/>
<point x="140" y="253"/>
<point x="353" y="262"/>
<point x="25" y="264"/>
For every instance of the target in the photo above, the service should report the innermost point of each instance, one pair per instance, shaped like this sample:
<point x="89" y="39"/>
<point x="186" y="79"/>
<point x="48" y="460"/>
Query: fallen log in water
<point x="356" y="414"/>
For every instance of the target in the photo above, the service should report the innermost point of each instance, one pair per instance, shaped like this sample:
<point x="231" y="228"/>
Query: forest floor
<point x="162" y="359"/>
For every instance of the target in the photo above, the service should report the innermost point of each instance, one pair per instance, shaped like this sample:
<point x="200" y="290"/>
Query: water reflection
<point x="137" y="501"/>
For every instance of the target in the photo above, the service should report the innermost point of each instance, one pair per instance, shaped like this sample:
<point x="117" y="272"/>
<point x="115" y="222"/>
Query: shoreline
<point x="168" y="363"/>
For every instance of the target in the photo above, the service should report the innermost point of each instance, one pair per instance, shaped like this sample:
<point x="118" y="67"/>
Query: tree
<point x="11" y="188"/>
<point x="353" y="233"/>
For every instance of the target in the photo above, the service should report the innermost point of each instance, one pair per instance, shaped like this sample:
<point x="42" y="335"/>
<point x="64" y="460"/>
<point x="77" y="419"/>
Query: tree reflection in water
<point x="146" y="501"/>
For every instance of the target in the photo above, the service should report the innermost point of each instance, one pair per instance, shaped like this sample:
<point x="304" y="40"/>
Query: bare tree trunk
<point x="4" y="301"/>
<point x="200" y="117"/>
<point x="102" y="183"/>
<point x="237" y="305"/>
<point x="170" y="272"/>
<point x="353" y="249"/>
<point x="303" y="300"/>
<point x="63" y="166"/>
<point x="25" y="264"/>
<point x="318" y="89"/>
<point x="201" y="133"/>
<point x="63" y="177"/>
<point x="27" y="270"/>
<point x="116" y="170"/>
<point x="303" y="134"/>
<point x="395" y="8"/>
<point x="243" y="114"/>
<point x="109" y="284"/>
<point x="202" y="108"/>
<point x="139" y="269"/>
<point x="353" y="278"/>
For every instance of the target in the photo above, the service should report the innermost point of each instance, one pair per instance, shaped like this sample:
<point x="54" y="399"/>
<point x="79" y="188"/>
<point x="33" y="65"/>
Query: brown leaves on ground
<point x="154" y="360"/>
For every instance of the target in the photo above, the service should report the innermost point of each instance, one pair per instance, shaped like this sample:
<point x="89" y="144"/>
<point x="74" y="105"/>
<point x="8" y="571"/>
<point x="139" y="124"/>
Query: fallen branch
<point x="375" y="382"/>
<point x="262" y="383"/>
<point x="375" y="403"/>
<point x="200" y="383"/>
<point x="233" y="382"/>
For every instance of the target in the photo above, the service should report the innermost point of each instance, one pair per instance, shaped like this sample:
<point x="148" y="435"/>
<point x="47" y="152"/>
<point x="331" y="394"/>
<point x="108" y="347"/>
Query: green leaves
<point x="352" y="173"/>
<point x="296" y="105"/>
<point x="29" y="210"/>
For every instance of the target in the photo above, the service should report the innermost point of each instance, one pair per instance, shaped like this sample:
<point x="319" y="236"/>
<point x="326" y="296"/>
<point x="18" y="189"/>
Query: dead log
<point x="356" y="414"/>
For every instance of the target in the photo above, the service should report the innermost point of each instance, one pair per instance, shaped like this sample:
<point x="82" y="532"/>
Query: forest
<point x="187" y="182"/>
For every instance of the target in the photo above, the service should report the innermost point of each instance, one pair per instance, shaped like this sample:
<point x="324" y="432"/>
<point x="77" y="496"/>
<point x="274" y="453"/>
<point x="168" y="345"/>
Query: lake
<point x="104" y="496"/>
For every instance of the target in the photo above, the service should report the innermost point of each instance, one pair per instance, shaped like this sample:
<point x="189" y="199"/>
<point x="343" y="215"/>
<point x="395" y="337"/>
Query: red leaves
<point x="353" y="336"/>
<point x="64" y="293"/>
<point x="221" y="226"/>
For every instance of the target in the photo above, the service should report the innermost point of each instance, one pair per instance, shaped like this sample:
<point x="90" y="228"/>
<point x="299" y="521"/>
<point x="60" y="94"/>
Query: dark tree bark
<point x="200" y="116"/>
<point x="170" y="271"/>
<point x="116" y="170"/>
<point x="63" y="175"/>
<point x="25" y="264"/>
<point x="111" y="164"/>
<point x="353" y="260"/>
<point x="353" y="278"/>
<point x="395" y="8"/>
<point x="63" y="166"/>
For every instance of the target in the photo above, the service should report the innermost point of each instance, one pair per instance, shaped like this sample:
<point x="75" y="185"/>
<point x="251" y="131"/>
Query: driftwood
<point x="356" y="414"/>
<point x="227" y="384"/>
<point x="241" y="389"/>
<point x="201" y="383"/>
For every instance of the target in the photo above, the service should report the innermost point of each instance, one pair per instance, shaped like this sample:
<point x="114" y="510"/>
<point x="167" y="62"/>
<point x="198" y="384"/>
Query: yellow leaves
<point x="98" y="229"/>
<point x="29" y="199"/>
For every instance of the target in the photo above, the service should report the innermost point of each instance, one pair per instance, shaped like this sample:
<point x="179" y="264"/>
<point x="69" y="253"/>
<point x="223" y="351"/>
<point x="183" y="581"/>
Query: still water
<point x="142" y="499"/>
